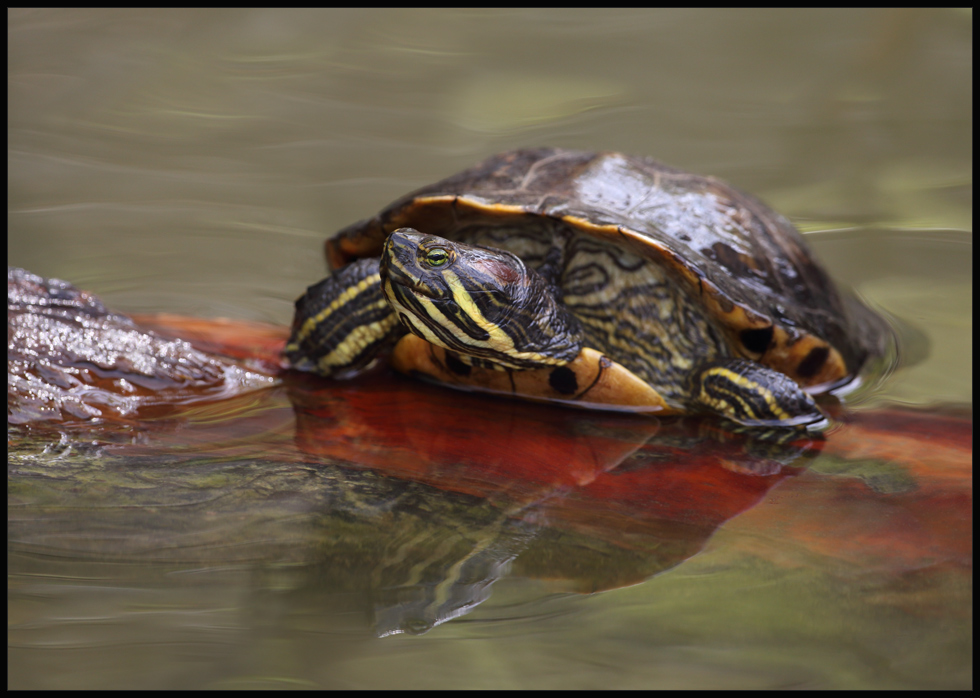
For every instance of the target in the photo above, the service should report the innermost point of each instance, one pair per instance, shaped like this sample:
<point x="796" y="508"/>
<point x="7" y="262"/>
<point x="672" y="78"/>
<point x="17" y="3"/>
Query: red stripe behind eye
<point x="505" y="273"/>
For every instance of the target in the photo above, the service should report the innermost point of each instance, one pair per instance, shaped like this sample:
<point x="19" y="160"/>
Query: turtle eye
<point x="436" y="257"/>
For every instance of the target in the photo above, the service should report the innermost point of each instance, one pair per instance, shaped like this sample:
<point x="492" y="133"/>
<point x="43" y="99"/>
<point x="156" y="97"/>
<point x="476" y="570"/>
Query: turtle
<point x="594" y="279"/>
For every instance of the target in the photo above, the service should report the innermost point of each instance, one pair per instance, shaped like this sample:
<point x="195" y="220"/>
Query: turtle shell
<point x="744" y="265"/>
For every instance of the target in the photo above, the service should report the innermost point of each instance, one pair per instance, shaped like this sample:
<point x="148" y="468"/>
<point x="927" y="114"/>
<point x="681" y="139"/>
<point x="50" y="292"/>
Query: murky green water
<point x="194" y="161"/>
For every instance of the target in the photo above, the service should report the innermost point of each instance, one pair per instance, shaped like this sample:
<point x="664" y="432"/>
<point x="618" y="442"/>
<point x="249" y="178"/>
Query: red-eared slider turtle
<point x="598" y="279"/>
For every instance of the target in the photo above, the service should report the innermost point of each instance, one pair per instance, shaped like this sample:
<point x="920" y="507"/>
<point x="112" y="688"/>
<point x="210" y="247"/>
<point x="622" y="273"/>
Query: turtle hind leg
<point x="752" y="394"/>
<point x="343" y="323"/>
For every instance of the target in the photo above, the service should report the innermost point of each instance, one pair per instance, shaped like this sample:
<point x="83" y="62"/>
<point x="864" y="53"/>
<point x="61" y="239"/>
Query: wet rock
<point x="69" y="358"/>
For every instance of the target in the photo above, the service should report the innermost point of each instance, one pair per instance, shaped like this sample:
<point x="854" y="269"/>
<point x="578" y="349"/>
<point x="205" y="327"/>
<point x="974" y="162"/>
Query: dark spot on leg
<point x="813" y="362"/>
<point x="756" y="340"/>
<point x="563" y="380"/>
<point x="456" y="366"/>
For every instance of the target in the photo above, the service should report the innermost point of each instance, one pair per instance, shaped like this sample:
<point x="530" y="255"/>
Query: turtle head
<point x="477" y="301"/>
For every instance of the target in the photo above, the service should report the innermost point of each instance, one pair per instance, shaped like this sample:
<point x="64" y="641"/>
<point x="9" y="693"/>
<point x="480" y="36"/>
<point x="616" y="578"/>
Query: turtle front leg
<point x="343" y="323"/>
<point x="752" y="394"/>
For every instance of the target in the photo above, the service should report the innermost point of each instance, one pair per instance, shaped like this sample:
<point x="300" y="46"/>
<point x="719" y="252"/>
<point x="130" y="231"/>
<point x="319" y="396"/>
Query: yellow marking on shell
<point x="344" y="298"/>
<point x="495" y="208"/>
<point x="358" y="338"/>
<point x="786" y="351"/>
<point x="748" y="386"/>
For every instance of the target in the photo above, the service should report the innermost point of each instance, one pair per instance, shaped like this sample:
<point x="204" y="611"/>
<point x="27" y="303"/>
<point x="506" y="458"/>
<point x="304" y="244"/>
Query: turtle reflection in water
<point x="591" y="279"/>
